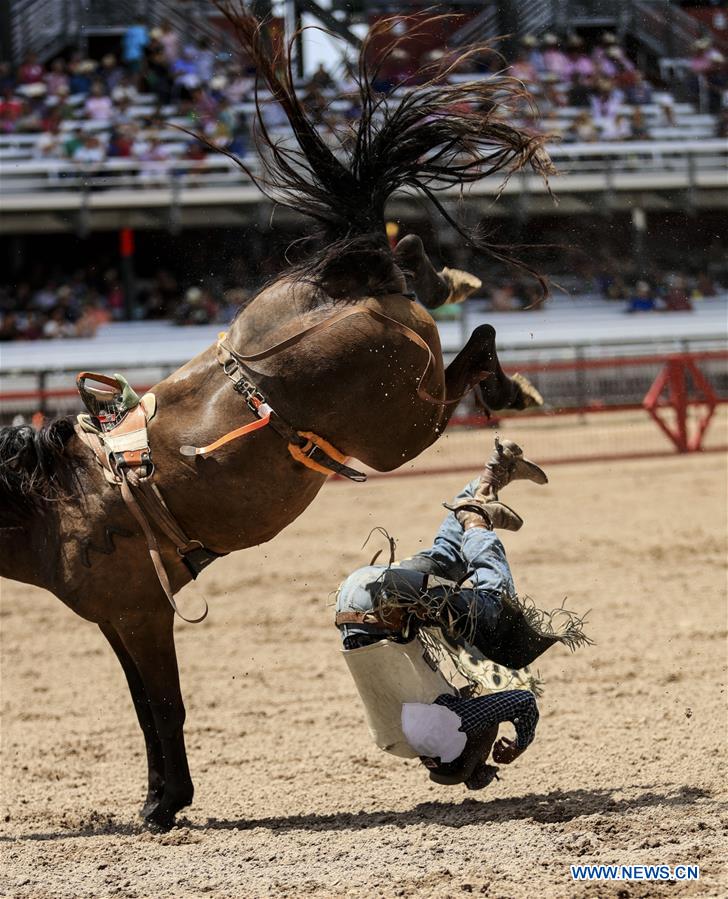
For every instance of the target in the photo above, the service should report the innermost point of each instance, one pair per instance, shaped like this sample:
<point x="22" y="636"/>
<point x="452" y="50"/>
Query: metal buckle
<point x="230" y="366"/>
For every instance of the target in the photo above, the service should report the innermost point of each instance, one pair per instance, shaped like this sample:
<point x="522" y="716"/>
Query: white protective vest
<point x="389" y="675"/>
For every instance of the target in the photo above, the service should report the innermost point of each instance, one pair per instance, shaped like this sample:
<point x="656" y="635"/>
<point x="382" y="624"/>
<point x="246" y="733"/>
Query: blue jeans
<point x="476" y="553"/>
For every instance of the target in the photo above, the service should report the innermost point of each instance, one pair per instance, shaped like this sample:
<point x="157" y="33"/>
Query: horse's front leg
<point x="477" y="365"/>
<point x="155" y="760"/>
<point x="150" y="644"/>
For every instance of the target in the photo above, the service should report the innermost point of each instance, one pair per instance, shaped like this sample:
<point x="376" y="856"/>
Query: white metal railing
<point x="55" y="183"/>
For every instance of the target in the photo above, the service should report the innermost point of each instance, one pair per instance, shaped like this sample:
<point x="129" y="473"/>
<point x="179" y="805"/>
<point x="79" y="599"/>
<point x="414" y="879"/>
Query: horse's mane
<point x="435" y="137"/>
<point x="34" y="467"/>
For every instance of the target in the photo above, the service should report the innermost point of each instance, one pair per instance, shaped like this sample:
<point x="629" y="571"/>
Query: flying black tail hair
<point x="434" y="137"/>
<point x="34" y="467"/>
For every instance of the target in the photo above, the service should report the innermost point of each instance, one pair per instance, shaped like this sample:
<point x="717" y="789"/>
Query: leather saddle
<point x="119" y="418"/>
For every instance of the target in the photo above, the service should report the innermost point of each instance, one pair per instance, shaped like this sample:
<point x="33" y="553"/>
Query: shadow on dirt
<point x="543" y="808"/>
<point x="555" y="807"/>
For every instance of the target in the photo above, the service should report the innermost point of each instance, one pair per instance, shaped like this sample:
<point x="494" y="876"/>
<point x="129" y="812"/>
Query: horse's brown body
<point x="354" y="384"/>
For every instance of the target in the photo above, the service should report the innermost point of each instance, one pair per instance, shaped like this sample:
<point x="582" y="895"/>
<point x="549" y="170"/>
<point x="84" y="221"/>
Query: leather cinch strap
<point x="169" y="525"/>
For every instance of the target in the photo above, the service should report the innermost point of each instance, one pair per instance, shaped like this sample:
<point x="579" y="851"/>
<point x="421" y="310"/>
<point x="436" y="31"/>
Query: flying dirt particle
<point x="688" y="713"/>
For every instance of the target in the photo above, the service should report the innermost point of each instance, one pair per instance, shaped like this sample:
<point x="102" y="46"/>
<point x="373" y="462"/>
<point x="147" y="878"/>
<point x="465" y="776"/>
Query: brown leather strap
<point x="95" y="376"/>
<point x="153" y="547"/>
<point x="374" y="619"/>
<point x="339" y="316"/>
<point x="370" y="618"/>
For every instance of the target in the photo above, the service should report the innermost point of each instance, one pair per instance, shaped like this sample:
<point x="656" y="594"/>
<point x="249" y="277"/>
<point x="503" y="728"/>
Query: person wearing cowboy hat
<point x="554" y="59"/>
<point x="455" y="600"/>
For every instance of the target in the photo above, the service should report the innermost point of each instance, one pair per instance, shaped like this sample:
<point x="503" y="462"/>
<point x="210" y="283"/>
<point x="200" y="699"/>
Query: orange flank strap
<point x="299" y="453"/>
<point x="226" y="438"/>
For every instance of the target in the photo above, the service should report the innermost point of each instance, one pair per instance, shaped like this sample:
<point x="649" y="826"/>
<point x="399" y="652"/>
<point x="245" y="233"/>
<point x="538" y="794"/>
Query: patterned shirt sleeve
<point x="482" y="712"/>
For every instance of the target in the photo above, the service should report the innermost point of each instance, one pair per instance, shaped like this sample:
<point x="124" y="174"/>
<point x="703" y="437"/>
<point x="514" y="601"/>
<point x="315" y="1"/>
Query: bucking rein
<point x="115" y="429"/>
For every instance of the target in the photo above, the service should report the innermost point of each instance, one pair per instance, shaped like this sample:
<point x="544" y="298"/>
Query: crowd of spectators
<point x="599" y="81"/>
<point x="75" y="306"/>
<point x="61" y="306"/>
<point x="187" y="81"/>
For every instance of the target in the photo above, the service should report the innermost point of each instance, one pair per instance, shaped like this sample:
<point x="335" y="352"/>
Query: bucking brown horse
<point x="370" y="385"/>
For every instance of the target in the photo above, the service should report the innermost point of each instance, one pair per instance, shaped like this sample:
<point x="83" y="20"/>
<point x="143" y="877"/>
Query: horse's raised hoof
<point x="526" y="395"/>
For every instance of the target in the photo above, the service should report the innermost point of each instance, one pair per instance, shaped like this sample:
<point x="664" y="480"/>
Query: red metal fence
<point x="597" y="409"/>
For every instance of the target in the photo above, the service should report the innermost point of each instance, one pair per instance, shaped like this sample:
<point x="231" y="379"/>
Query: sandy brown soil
<point x="292" y="798"/>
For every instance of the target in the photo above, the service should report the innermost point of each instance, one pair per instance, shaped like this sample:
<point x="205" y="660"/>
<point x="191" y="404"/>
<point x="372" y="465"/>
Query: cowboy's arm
<point x="480" y="714"/>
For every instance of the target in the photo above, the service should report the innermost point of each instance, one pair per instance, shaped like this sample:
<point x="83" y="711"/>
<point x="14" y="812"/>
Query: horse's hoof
<point x="159" y="821"/>
<point x="149" y="806"/>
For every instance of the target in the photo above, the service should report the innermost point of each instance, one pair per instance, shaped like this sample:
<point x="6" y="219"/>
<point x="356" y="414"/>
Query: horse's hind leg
<point x="150" y="644"/>
<point x="498" y="390"/>
<point x="433" y="288"/>
<point x="155" y="761"/>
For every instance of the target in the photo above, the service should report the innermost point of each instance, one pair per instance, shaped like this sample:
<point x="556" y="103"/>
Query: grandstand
<point x="92" y="96"/>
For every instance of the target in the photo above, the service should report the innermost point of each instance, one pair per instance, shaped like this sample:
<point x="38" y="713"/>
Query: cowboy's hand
<point x="505" y="751"/>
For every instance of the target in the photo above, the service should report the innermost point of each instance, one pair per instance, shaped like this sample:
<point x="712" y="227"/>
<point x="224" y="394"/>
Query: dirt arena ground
<point x="293" y="799"/>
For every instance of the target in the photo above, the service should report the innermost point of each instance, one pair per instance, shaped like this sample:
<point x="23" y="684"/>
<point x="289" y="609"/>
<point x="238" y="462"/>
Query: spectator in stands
<point x="582" y="129"/>
<point x="580" y="92"/>
<point x="81" y="75"/>
<point x="616" y="66"/>
<point x="121" y="142"/>
<point x="158" y="75"/>
<point x="98" y="104"/>
<point x="639" y="91"/>
<point x="642" y="299"/>
<point x="198" y="308"/>
<point x="57" y="81"/>
<point x="112" y="74"/>
<point x="554" y="95"/>
<point x="535" y="55"/>
<point x="523" y="69"/>
<point x="91" y="151"/>
<point x="599" y="54"/>
<point x="617" y="128"/>
<point x="676" y="297"/>
<point x="321" y="78"/>
<point x="580" y="64"/>
<point x="134" y="41"/>
<point x="555" y="60"/>
<point x="204" y="61"/>
<point x="7" y="78"/>
<point x="11" y="109"/>
<point x="169" y="39"/>
<point x="30" y="70"/>
<point x="638" y="124"/>
<point x="605" y="104"/>
<point x="239" y="86"/>
<point x="184" y="74"/>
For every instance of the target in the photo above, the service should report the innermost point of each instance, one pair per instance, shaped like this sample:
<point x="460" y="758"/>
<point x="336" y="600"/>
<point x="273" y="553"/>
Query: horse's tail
<point x="435" y="137"/>
<point x="34" y="466"/>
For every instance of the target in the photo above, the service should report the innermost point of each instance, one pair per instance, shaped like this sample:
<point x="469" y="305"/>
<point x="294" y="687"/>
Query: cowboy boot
<point x="485" y="512"/>
<point x="505" y="465"/>
<point x="484" y="509"/>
